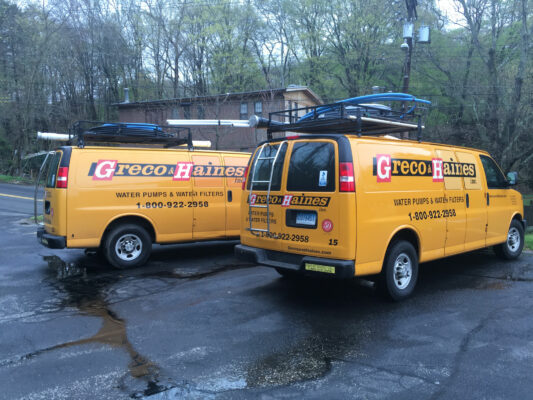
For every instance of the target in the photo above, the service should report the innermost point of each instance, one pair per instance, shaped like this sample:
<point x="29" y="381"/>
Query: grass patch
<point x="21" y="180"/>
<point x="40" y="218"/>
<point x="529" y="241"/>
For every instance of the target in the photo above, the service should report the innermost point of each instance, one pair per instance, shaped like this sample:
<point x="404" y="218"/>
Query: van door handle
<point x="488" y="199"/>
<point x="230" y="196"/>
<point x="467" y="201"/>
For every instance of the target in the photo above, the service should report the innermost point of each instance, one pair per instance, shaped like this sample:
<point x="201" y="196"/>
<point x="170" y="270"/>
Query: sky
<point x="449" y="8"/>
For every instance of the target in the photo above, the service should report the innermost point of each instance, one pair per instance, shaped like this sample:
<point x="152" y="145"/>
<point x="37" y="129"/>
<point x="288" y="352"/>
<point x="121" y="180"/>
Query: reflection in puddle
<point x="87" y="296"/>
<point x="63" y="269"/>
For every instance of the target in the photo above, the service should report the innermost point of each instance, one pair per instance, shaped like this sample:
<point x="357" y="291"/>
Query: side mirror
<point x="512" y="177"/>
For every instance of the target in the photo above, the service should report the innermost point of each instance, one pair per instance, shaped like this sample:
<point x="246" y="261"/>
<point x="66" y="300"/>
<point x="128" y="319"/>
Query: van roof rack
<point x="358" y="116"/>
<point x="125" y="132"/>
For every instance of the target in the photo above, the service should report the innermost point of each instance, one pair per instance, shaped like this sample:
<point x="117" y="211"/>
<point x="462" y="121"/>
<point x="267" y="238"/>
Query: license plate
<point x="305" y="218"/>
<point x="320" y="268"/>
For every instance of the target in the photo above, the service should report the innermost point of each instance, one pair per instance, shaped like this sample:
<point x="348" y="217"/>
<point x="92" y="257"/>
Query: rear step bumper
<point x="296" y="262"/>
<point x="51" y="241"/>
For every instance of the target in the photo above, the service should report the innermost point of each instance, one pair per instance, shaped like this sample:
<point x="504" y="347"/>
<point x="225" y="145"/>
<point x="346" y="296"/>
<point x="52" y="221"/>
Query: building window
<point x="200" y="111"/>
<point x="244" y="111"/>
<point x="258" y="108"/>
<point x="187" y="111"/>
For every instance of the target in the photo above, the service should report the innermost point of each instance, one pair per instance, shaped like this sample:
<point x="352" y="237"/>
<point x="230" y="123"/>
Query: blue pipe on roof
<point x="370" y="97"/>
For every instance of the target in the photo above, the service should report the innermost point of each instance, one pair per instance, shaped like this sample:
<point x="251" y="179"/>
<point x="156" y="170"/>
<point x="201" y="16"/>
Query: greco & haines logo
<point x="183" y="171"/>
<point x="383" y="167"/>
<point x="178" y="171"/>
<point x="104" y="170"/>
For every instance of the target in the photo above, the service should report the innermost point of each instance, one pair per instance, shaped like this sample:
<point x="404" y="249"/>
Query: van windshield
<point x="263" y="167"/>
<point x="52" y="170"/>
<point x="312" y="167"/>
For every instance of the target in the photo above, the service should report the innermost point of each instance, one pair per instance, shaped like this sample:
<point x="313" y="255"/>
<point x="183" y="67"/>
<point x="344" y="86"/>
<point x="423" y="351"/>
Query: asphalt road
<point x="197" y="323"/>
<point x="18" y="200"/>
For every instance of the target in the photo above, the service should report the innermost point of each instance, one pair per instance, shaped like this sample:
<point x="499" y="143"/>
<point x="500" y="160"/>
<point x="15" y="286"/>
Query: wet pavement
<point x="197" y="323"/>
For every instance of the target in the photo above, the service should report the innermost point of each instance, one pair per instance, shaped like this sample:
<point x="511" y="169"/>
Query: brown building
<point x="225" y="106"/>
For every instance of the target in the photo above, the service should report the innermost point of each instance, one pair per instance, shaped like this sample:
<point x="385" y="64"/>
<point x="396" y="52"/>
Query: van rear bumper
<point x="296" y="262"/>
<point x="51" y="241"/>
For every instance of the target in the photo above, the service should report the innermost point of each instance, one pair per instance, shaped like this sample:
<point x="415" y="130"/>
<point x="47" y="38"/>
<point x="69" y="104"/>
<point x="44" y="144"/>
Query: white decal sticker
<point x="323" y="178"/>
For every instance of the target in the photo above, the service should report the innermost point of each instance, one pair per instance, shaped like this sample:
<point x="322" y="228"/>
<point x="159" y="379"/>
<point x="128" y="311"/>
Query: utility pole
<point x="408" y="33"/>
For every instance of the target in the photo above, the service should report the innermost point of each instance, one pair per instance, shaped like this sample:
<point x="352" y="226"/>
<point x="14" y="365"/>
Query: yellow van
<point x="120" y="200"/>
<point x="363" y="204"/>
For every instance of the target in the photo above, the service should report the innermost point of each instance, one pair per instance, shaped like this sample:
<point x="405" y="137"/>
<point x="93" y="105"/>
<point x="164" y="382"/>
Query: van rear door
<point x="262" y="214"/>
<point x="234" y="167"/>
<point x="317" y="211"/>
<point x="55" y="193"/>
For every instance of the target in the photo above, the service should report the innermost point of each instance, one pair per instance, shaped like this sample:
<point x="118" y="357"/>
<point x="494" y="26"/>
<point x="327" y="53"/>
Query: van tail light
<point x="62" y="178"/>
<point x="346" y="178"/>
<point x="244" y="178"/>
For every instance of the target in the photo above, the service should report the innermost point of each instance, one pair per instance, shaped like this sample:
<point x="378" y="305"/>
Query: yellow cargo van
<point x="358" y="203"/>
<point x="120" y="200"/>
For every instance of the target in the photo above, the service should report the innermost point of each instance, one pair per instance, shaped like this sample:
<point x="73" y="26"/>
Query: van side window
<point x="312" y="167"/>
<point x="52" y="170"/>
<point x="495" y="178"/>
<point x="263" y="167"/>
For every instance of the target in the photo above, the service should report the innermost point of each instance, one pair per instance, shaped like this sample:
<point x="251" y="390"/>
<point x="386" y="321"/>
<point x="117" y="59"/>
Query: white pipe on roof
<point x="53" y="136"/>
<point x="200" y="143"/>
<point x="237" y="123"/>
<point x="387" y="122"/>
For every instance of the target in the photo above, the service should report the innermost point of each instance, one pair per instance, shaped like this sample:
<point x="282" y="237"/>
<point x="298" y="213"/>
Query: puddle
<point x="85" y="285"/>
<point x="331" y="313"/>
<point x="310" y="359"/>
<point x="87" y="294"/>
<point x="498" y="285"/>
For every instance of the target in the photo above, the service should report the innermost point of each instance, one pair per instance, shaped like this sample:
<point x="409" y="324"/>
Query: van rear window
<point x="312" y="167"/>
<point x="264" y="166"/>
<point x="51" y="175"/>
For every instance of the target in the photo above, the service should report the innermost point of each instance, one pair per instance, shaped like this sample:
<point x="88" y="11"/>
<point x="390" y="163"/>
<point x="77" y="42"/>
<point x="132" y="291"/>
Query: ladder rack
<point x="257" y="231"/>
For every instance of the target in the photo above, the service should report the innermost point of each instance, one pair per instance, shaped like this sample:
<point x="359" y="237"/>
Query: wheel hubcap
<point x="513" y="239"/>
<point x="128" y="247"/>
<point x="403" y="271"/>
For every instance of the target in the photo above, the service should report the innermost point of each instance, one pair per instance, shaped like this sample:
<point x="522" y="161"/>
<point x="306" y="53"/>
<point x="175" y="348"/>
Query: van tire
<point x="400" y="271"/>
<point x="128" y="246"/>
<point x="512" y="247"/>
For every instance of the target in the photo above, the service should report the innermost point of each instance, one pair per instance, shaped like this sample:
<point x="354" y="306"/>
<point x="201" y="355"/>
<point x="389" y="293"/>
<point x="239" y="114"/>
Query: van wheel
<point x="514" y="244"/>
<point x="128" y="246"/>
<point x="400" y="271"/>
